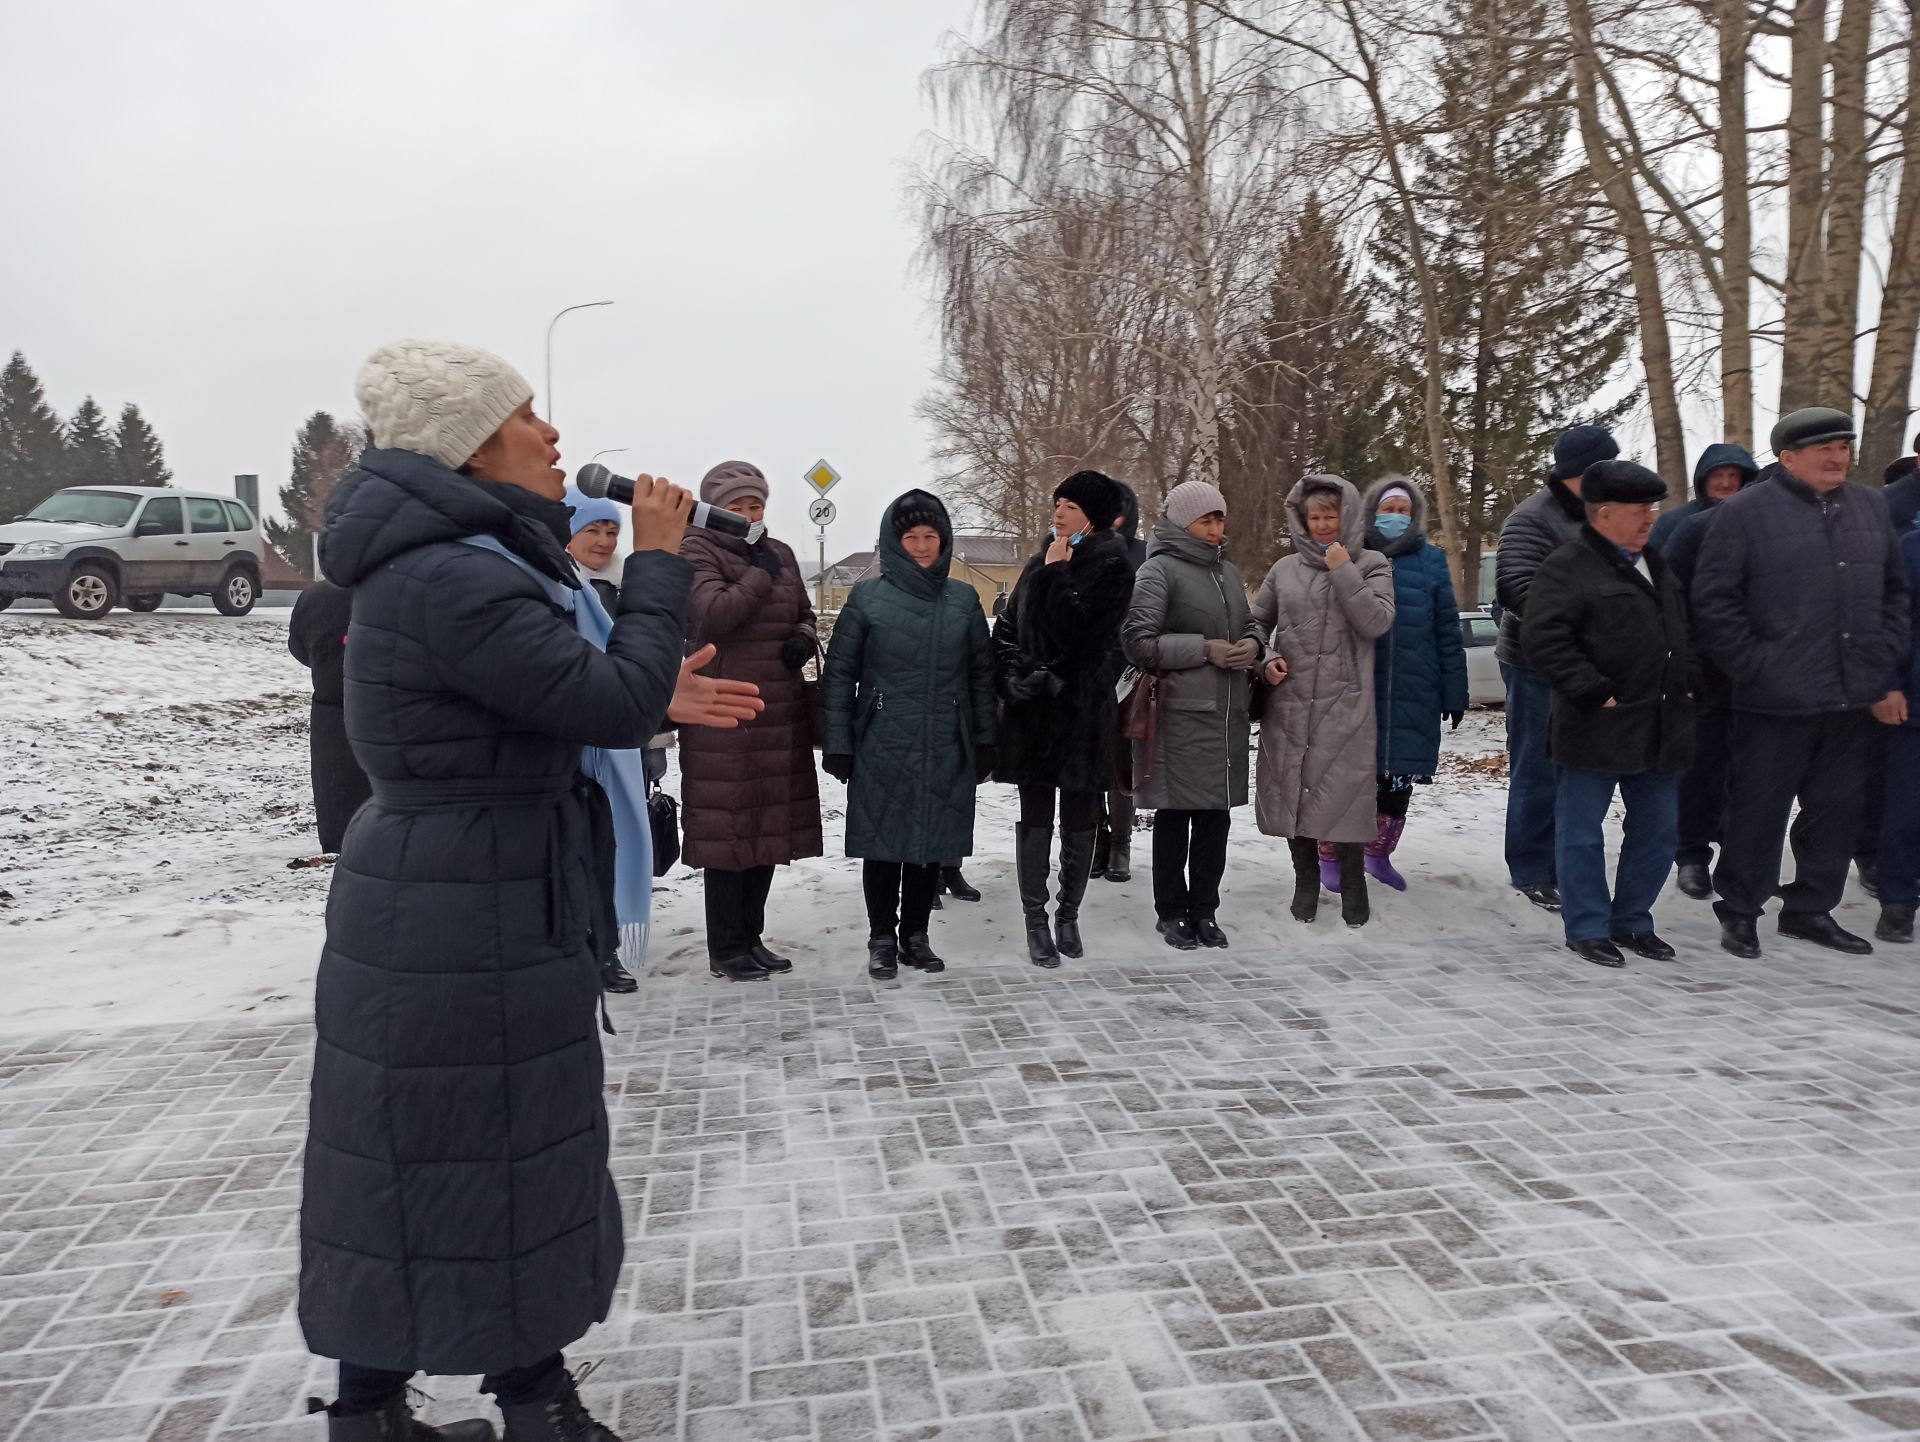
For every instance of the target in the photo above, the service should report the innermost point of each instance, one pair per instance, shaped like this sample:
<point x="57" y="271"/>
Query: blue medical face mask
<point x="1053" y="534"/>
<point x="1392" y="524"/>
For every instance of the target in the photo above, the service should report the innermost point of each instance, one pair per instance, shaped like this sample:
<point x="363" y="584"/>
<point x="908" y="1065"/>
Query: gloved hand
<point x="1242" y="654"/>
<point x="985" y="758"/>
<point x="839" y="766"/>
<point x="1455" y="718"/>
<point x="763" y="557"/>
<point x="796" y="650"/>
<point x="1217" y="653"/>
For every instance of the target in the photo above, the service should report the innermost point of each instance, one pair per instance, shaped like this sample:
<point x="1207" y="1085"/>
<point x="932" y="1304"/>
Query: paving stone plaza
<point x="1366" y="1192"/>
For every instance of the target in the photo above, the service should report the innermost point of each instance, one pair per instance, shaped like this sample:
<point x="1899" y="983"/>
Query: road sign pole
<point x="820" y="577"/>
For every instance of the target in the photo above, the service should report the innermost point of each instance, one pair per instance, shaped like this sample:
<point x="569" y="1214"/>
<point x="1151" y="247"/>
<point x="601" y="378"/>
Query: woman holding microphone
<point x="457" y="1213"/>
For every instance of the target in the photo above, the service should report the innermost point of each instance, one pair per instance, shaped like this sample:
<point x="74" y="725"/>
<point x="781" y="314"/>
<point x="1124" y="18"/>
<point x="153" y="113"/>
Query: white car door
<point x="156" y="554"/>
<point x="212" y="540"/>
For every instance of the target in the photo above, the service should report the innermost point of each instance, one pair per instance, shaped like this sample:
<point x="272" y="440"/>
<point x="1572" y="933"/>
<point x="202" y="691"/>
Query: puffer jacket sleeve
<point x="1266" y="609"/>
<point x="982" y="673"/>
<point x="1718" y="594"/>
<point x="496" y="639"/>
<point x="1447" y="644"/>
<point x="1363" y="589"/>
<point x="722" y="605"/>
<point x="846" y="660"/>
<point x="1550" y="637"/>
<point x="1144" y="635"/>
<point x="1525" y="541"/>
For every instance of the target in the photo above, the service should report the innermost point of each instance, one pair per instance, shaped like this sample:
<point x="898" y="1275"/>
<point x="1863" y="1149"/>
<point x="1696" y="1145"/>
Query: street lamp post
<point x="609" y="451"/>
<point x="548" y="397"/>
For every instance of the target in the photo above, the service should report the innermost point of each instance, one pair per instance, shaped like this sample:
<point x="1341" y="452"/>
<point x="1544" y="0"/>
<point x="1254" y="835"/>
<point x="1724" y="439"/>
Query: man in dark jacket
<point x="1801" y="598"/>
<point x="1722" y="471"/>
<point x="1113" y="840"/>
<point x="1607" y="627"/>
<point x="1902" y="480"/>
<point x="1899" y="840"/>
<point x="1534" y="530"/>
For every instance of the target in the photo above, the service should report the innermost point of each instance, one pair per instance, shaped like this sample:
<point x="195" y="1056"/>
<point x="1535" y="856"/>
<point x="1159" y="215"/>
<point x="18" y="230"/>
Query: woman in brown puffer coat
<point x="751" y="797"/>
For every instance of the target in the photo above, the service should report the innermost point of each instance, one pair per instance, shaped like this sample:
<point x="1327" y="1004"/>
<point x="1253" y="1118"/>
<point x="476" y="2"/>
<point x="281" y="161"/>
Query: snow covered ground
<point x="153" y="797"/>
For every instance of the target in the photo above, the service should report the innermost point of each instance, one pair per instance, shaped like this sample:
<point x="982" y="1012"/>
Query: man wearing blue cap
<point x="1801" y="597"/>
<point x="1534" y="530"/>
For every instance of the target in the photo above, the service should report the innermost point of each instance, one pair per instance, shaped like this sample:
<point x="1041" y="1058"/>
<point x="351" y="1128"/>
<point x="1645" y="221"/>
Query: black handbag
<point x="663" y="816"/>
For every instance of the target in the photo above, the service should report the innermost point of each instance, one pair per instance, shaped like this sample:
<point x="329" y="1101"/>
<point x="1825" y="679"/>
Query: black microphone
<point x="594" y="479"/>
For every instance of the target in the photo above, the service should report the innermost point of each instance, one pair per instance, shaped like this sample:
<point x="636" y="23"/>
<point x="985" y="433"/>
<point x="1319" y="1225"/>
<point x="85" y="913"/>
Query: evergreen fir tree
<point x="1533" y="328"/>
<point x="323" y="452"/>
<point x="92" y="456"/>
<point x="138" y="459"/>
<point x="33" y="444"/>
<point x="1314" y="385"/>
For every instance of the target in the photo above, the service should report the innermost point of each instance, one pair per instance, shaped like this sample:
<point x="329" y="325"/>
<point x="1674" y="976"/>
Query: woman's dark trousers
<point x="1189" y="858"/>
<point x="899" y="896"/>
<point x="736" y="910"/>
<point x="368" y="1389"/>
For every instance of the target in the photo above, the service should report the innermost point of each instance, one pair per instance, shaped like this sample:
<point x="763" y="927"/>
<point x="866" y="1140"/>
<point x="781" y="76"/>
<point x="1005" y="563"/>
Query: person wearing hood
<point x="1902" y="483"/>
<point x="751" y="797"/>
<point x="1189" y="626"/>
<point x="1801" y="597"/>
<point x="1419" y="666"/>
<point x="596" y="536"/>
<point x="317" y="638"/>
<point x="909" y="726"/>
<point x="1057" y="649"/>
<point x="1607" y="626"/>
<point x="1320" y="611"/>
<point x="1113" y="838"/>
<point x="1721" y="472"/>
<point x="457" y="1213"/>
<point x="1534" y="530"/>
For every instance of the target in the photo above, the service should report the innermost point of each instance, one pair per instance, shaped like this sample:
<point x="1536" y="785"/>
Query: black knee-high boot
<point x="1306" y="877"/>
<point x="1033" y="857"/>
<point x="1076" y="865"/>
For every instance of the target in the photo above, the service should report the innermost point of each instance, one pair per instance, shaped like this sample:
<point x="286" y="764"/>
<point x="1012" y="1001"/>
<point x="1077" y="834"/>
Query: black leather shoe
<point x="395" y="1422"/>
<point x="1546" y="896"/>
<point x="1207" y="932"/>
<point x="1896" y="922"/>
<point x="616" y="978"/>
<point x="1869" y="879"/>
<point x="768" y="961"/>
<point x="738" y="968"/>
<point x="1599" y="951"/>
<point x="1694" y="880"/>
<point x="1645" y="943"/>
<point x="917" y="952"/>
<point x="1177" y="932"/>
<point x="938" y="904"/>
<point x="883" y="958"/>
<point x="954" y="881"/>
<point x="1740" y="937"/>
<point x="1822" y="930"/>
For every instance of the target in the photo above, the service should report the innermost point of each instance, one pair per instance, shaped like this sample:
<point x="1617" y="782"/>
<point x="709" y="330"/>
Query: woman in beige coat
<point x="1320" y="610"/>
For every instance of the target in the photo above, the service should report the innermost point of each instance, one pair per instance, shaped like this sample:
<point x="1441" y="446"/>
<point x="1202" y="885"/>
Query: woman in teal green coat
<point x="909" y="726"/>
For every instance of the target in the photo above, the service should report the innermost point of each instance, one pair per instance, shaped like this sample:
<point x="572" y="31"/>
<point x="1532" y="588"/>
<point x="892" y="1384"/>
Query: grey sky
<point x="216" y="208"/>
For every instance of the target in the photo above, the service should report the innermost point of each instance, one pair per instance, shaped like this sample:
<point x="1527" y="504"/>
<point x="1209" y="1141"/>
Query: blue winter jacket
<point x="1420" y="665"/>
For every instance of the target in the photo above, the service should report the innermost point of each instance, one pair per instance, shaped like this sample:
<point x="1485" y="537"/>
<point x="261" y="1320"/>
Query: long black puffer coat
<point x="458" y="1215"/>
<point x="1058" y="649"/>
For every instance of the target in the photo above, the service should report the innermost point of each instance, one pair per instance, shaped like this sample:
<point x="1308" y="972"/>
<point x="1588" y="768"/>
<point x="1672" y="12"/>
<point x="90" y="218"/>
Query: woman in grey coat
<point x="1190" y="626"/>
<point x="1321" y="610"/>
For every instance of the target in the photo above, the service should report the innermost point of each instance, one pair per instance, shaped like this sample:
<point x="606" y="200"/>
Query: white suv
<point x="91" y="547"/>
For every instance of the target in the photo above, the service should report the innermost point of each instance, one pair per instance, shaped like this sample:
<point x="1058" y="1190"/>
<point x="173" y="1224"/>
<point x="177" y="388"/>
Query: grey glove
<point x="1242" y="654"/>
<point x="1218" y="653"/>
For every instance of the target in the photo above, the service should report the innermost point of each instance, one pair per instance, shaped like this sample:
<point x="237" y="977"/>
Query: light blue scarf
<point x="621" y="774"/>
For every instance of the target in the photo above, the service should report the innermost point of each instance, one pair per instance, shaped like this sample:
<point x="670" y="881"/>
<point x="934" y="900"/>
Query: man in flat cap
<point x="1606" y="625"/>
<point x="1801" y="597"/>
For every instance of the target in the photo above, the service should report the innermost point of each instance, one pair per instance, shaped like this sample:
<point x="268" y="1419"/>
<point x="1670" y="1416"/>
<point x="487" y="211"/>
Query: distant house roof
<point x="974" y="550"/>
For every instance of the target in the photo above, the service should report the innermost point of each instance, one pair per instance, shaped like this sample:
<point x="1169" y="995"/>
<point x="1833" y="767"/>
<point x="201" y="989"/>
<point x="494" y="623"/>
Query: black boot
<point x="1119" y="865"/>
<point x="1102" y="848"/>
<point x="778" y="965"/>
<point x="883" y="957"/>
<point x="1306" y="877"/>
<point x="955" y="883"/>
<point x="561" y="1418"/>
<point x="1177" y="932"/>
<point x="916" y="951"/>
<point x="616" y="978"/>
<point x="1208" y="933"/>
<point x="395" y="1422"/>
<point x="1695" y="881"/>
<point x="1354" y="909"/>
<point x="737" y="968"/>
<point x="1032" y="858"/>
<point x="1076" y="865"/>
<point x="1896" y="922"/>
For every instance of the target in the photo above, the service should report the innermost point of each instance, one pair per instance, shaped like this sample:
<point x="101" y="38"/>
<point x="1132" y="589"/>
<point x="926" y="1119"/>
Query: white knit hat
<point x="437" y="398"/>
<point x="1190" y="500"/>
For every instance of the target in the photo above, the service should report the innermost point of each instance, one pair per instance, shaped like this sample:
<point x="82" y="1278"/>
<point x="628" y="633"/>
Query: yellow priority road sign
<point x="822" y="477"/>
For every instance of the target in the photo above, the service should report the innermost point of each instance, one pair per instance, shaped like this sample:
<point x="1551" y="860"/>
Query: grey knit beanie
<point x="1190" y="500"/>
<point x="730" y="480"/>
<point x="437" y="398"/>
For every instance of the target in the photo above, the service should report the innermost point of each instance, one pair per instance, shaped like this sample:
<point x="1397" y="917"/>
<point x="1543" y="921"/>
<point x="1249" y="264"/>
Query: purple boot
<point x="1329" y="868"/>
<point x="1380" y="852"/>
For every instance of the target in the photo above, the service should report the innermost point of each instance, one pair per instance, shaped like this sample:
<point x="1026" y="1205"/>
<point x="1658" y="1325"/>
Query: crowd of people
<point x="492" y="695"/>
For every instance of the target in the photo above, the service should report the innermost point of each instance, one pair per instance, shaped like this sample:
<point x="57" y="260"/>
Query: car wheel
<point x="237" y="593"/>
<point x="88" y="592"/>
<point x="144" y="603"/>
